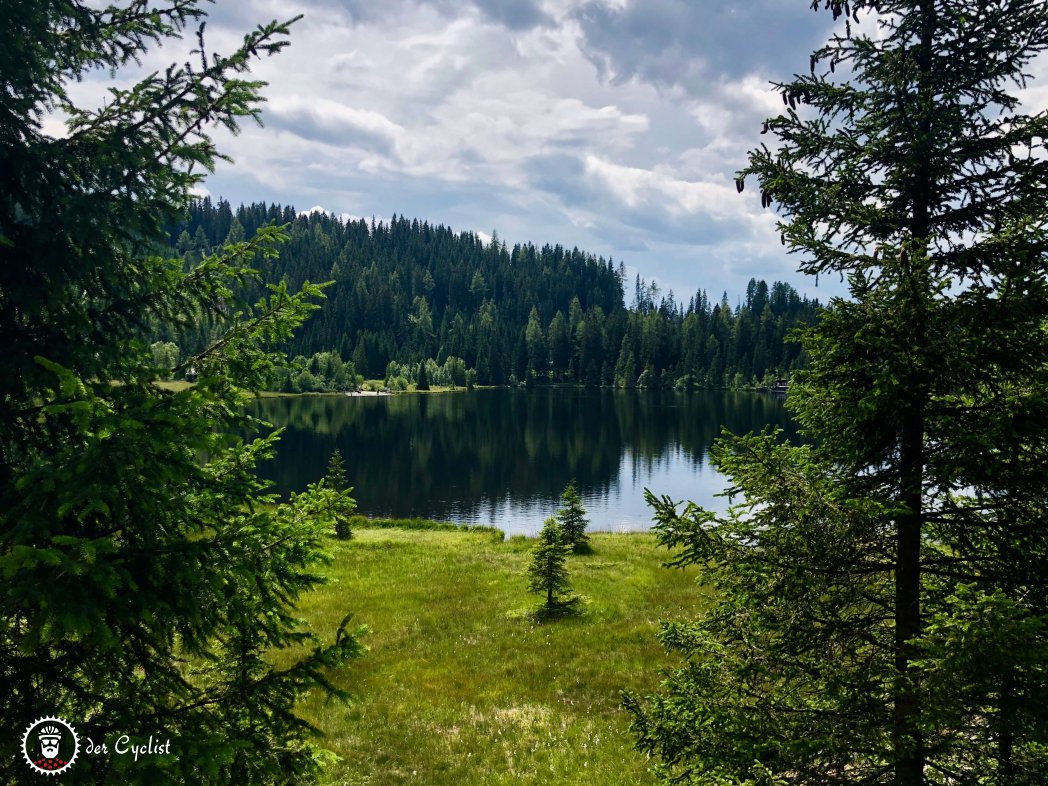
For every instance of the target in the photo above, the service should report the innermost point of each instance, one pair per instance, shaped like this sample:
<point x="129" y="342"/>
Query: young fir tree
<point x="572" y="519"/>
<point x="882" y="609"/>
<point x="548" y="570"/>
<point x="538" y="356"/>
<point x="335" y="479"/>
<point x="143" y="589"/>
<point x="422" y="378"/>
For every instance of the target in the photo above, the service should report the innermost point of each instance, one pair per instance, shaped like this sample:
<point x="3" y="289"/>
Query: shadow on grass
<point x="565" y="607"/>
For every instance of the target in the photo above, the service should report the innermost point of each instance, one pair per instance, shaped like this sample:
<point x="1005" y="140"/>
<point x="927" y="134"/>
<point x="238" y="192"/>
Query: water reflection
<point x="502" y="457"/>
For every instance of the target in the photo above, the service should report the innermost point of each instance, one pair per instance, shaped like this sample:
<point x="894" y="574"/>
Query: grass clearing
<point x="174" y="385"/>
<point x="461" y="685"/>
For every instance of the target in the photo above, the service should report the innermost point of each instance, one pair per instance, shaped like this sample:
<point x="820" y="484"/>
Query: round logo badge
<point x="50" y="745"/>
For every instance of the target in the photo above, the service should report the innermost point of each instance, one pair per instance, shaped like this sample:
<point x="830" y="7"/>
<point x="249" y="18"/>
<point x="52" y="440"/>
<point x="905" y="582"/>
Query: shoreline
<point x="180" y="385"/>
<point x="363" y="521"/>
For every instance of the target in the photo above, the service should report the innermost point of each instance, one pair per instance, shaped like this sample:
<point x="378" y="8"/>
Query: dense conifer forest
<point x="407" y="292"/>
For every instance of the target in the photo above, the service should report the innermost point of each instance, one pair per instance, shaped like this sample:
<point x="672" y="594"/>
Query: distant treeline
<point x="406" y="291"/>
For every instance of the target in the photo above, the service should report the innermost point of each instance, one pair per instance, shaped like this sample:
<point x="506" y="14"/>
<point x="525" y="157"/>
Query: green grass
<point x="174" y="385"/>
<point x="461" y="685"/>
<point x="366" y="522"/>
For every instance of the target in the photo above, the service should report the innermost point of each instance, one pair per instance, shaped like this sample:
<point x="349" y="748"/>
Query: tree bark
<point x="909" y="747"/>
<point x="906" y="735"/>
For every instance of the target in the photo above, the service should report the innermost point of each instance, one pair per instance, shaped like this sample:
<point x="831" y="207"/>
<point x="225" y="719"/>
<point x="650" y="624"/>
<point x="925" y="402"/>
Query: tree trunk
<point x="909" y="748"/>
<point x="906" y="735"/>
<point x="550" y="568"/>
<point x="1006" y="770"/>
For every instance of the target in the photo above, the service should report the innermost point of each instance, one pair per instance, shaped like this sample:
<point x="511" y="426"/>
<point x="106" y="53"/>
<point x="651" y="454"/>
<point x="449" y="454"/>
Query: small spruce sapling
<point x="573" y="520"/>
<point x="336" y="481"/>
<point x="548" y="571"/>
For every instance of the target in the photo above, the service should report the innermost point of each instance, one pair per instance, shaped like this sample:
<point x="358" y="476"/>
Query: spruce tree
<point x="572" y="518"/>
<point x="335" y="479"/>
<point x="422" y="378"/>
<point x="536" y="344"/>
<point x="548" y="570"/>
<point x="881" y="611"/>
<point x="147" y="578"/>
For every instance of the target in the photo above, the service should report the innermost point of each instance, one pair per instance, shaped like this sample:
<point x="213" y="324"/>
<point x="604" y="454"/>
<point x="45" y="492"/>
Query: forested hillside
<point x="407" y="291"/>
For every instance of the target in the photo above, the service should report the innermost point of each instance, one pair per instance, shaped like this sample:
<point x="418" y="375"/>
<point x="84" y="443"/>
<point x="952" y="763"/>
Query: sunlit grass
<point x="462" y="686"/>
<point x="174" y="385"/>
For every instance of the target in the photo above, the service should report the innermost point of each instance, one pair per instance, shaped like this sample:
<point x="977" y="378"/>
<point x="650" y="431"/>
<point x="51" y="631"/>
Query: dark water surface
<point x="502" y="457"/>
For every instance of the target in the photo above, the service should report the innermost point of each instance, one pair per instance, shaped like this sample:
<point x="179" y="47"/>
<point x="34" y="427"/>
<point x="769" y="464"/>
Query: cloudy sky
<point x="611" y="125"/>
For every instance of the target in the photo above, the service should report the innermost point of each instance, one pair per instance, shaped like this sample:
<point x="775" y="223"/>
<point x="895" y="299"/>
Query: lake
<point x="502" y="457"/>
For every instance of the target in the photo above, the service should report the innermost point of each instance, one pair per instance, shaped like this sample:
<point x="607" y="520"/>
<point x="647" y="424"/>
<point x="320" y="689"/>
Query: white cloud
<point x="461" y="117"/>
<point x="611" y="125"/>
<point x="331" y="121"/>
<point x="639" y="187"/>
<point x="54" y="126"/>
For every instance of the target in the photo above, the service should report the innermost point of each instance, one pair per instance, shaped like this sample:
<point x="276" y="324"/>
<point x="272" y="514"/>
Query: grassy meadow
<point x="461" y="685"/>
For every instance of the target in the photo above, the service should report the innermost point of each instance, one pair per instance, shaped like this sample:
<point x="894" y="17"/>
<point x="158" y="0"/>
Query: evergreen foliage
<point x="335" y="479"/>
<point x="146" y="577"/>
<point x="405" y="291"/>
<point x="882" y="609"/>
<point x="572" y="518"/>
<point x="548" y="570"/>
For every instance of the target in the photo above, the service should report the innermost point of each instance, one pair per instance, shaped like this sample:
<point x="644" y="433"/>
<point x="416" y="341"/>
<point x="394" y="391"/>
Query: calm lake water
<point x="502" y="457"/>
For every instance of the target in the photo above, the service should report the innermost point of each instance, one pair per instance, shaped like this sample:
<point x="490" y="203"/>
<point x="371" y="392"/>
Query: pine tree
<point x="148" y="579"/>
<point x="559" y="345"/>
<point x="572" y="519"/>
<point x="881" y="598"/>
<point x="422" y="377"/>
<point x="536" y="347"/>
<point x="548" y="571"/>
<point x="335" y="479"/>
